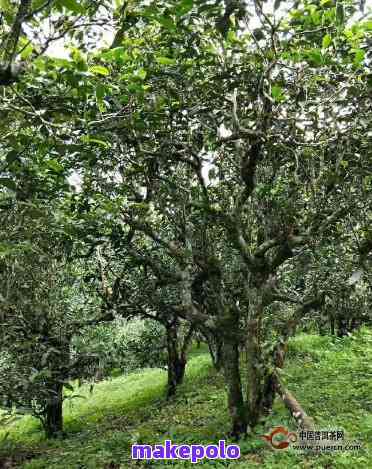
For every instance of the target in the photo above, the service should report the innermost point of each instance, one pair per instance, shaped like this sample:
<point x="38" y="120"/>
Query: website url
<point x="349" y="447"/>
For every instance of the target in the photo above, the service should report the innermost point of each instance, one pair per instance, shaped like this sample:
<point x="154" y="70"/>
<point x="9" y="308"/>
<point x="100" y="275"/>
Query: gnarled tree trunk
<point x="235" y="398"/>
<point x="177" y="358"/>
<point x="261" y="387"/>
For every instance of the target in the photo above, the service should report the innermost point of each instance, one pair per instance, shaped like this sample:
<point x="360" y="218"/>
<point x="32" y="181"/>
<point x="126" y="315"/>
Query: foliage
<point x="122" y="347"/>
<point x="38" y="313"/>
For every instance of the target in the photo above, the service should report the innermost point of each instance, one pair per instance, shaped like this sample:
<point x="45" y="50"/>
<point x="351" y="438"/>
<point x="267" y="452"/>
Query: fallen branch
<point x="297" y="412"/>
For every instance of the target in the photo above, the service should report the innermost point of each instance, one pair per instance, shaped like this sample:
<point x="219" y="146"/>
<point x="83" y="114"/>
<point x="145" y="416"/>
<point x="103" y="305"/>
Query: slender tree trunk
<point x="53" y="423"/>
<point x="215" y="349"/>
<point x="217" y="359"/>
<point x="332" y="322"/>
<point x="235" y="399"/>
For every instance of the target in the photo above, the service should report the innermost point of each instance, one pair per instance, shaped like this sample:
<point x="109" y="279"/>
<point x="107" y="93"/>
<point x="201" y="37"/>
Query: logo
<point x="284" y="440"/>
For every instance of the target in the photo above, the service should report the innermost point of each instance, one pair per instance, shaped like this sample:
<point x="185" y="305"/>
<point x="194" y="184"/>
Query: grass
<point x="332" y="378"/>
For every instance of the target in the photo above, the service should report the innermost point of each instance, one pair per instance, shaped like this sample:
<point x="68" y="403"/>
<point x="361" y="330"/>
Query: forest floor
<point x="332" y="378"/>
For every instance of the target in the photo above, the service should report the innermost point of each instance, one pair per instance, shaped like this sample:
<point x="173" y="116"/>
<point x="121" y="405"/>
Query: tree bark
<point x="260" y="387"/>
<point x="294" y="407"/>
<point x="176" y="360"/>
<point x="332" y="325"/>
<point x="53" y="423"/>
<point x="269" y="393"/>
<point x="235" y="399"/>
<point x="215" y="349"/>
<point x="255" y="375"/>
<point x="341" y="327"/>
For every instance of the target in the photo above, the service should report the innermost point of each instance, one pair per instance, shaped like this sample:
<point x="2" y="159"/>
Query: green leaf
<point x="71" y="5"/>
<point x="277" y="93"/>
<point x="61" y="63"/>
<point x="77" y="55"/>
<point x="99" y="70"/>
<point x="141" y="73"/>
<point x="27" y="51"/>
<point x="9" y="183"/>
<point x="37" y="3"/>
<point x="315" y="57"/>
<point x="135" y="88"/>
<point x="11" y="156"/>
<point x="327" y="40"/>
<point x="315" y="17"/>
<point x="55" y="165"/>
<point x="184" y="7"/>
<point x="165" y="60"/>
<point x="150" y="12"/>
<point x="231" y="36"/>
<point x="5" y="5"/>
<point x="166" y="22"/>
<point x="118" y="54"/>
<point x="89" y="139"/>
<point x="100" y="91"/>
<point x="359" y="55"/>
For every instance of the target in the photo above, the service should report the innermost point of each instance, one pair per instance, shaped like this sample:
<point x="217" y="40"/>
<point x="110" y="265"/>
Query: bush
<point x="122" y="346"/>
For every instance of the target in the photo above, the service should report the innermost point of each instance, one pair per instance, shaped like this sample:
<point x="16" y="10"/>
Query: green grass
<point x="332" y="378"/>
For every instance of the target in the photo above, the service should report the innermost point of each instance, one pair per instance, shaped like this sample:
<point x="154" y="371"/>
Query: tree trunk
<point x="176" y="360"/>
<point x="332" y="323"/>
<point x="217" y="357"/>
<point x="260" y="388"/>
<point x="234" y="388"/>
<point x="53" y="423"/>
<point x="215" y="349"/>
<point x="269" y="393"/>
<point x="176" y="373"/>
<point x="341" y="327"/>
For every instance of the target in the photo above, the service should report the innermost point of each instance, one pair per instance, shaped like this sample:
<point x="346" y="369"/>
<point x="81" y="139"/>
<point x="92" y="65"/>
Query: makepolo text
<point x="192" y="452"/>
